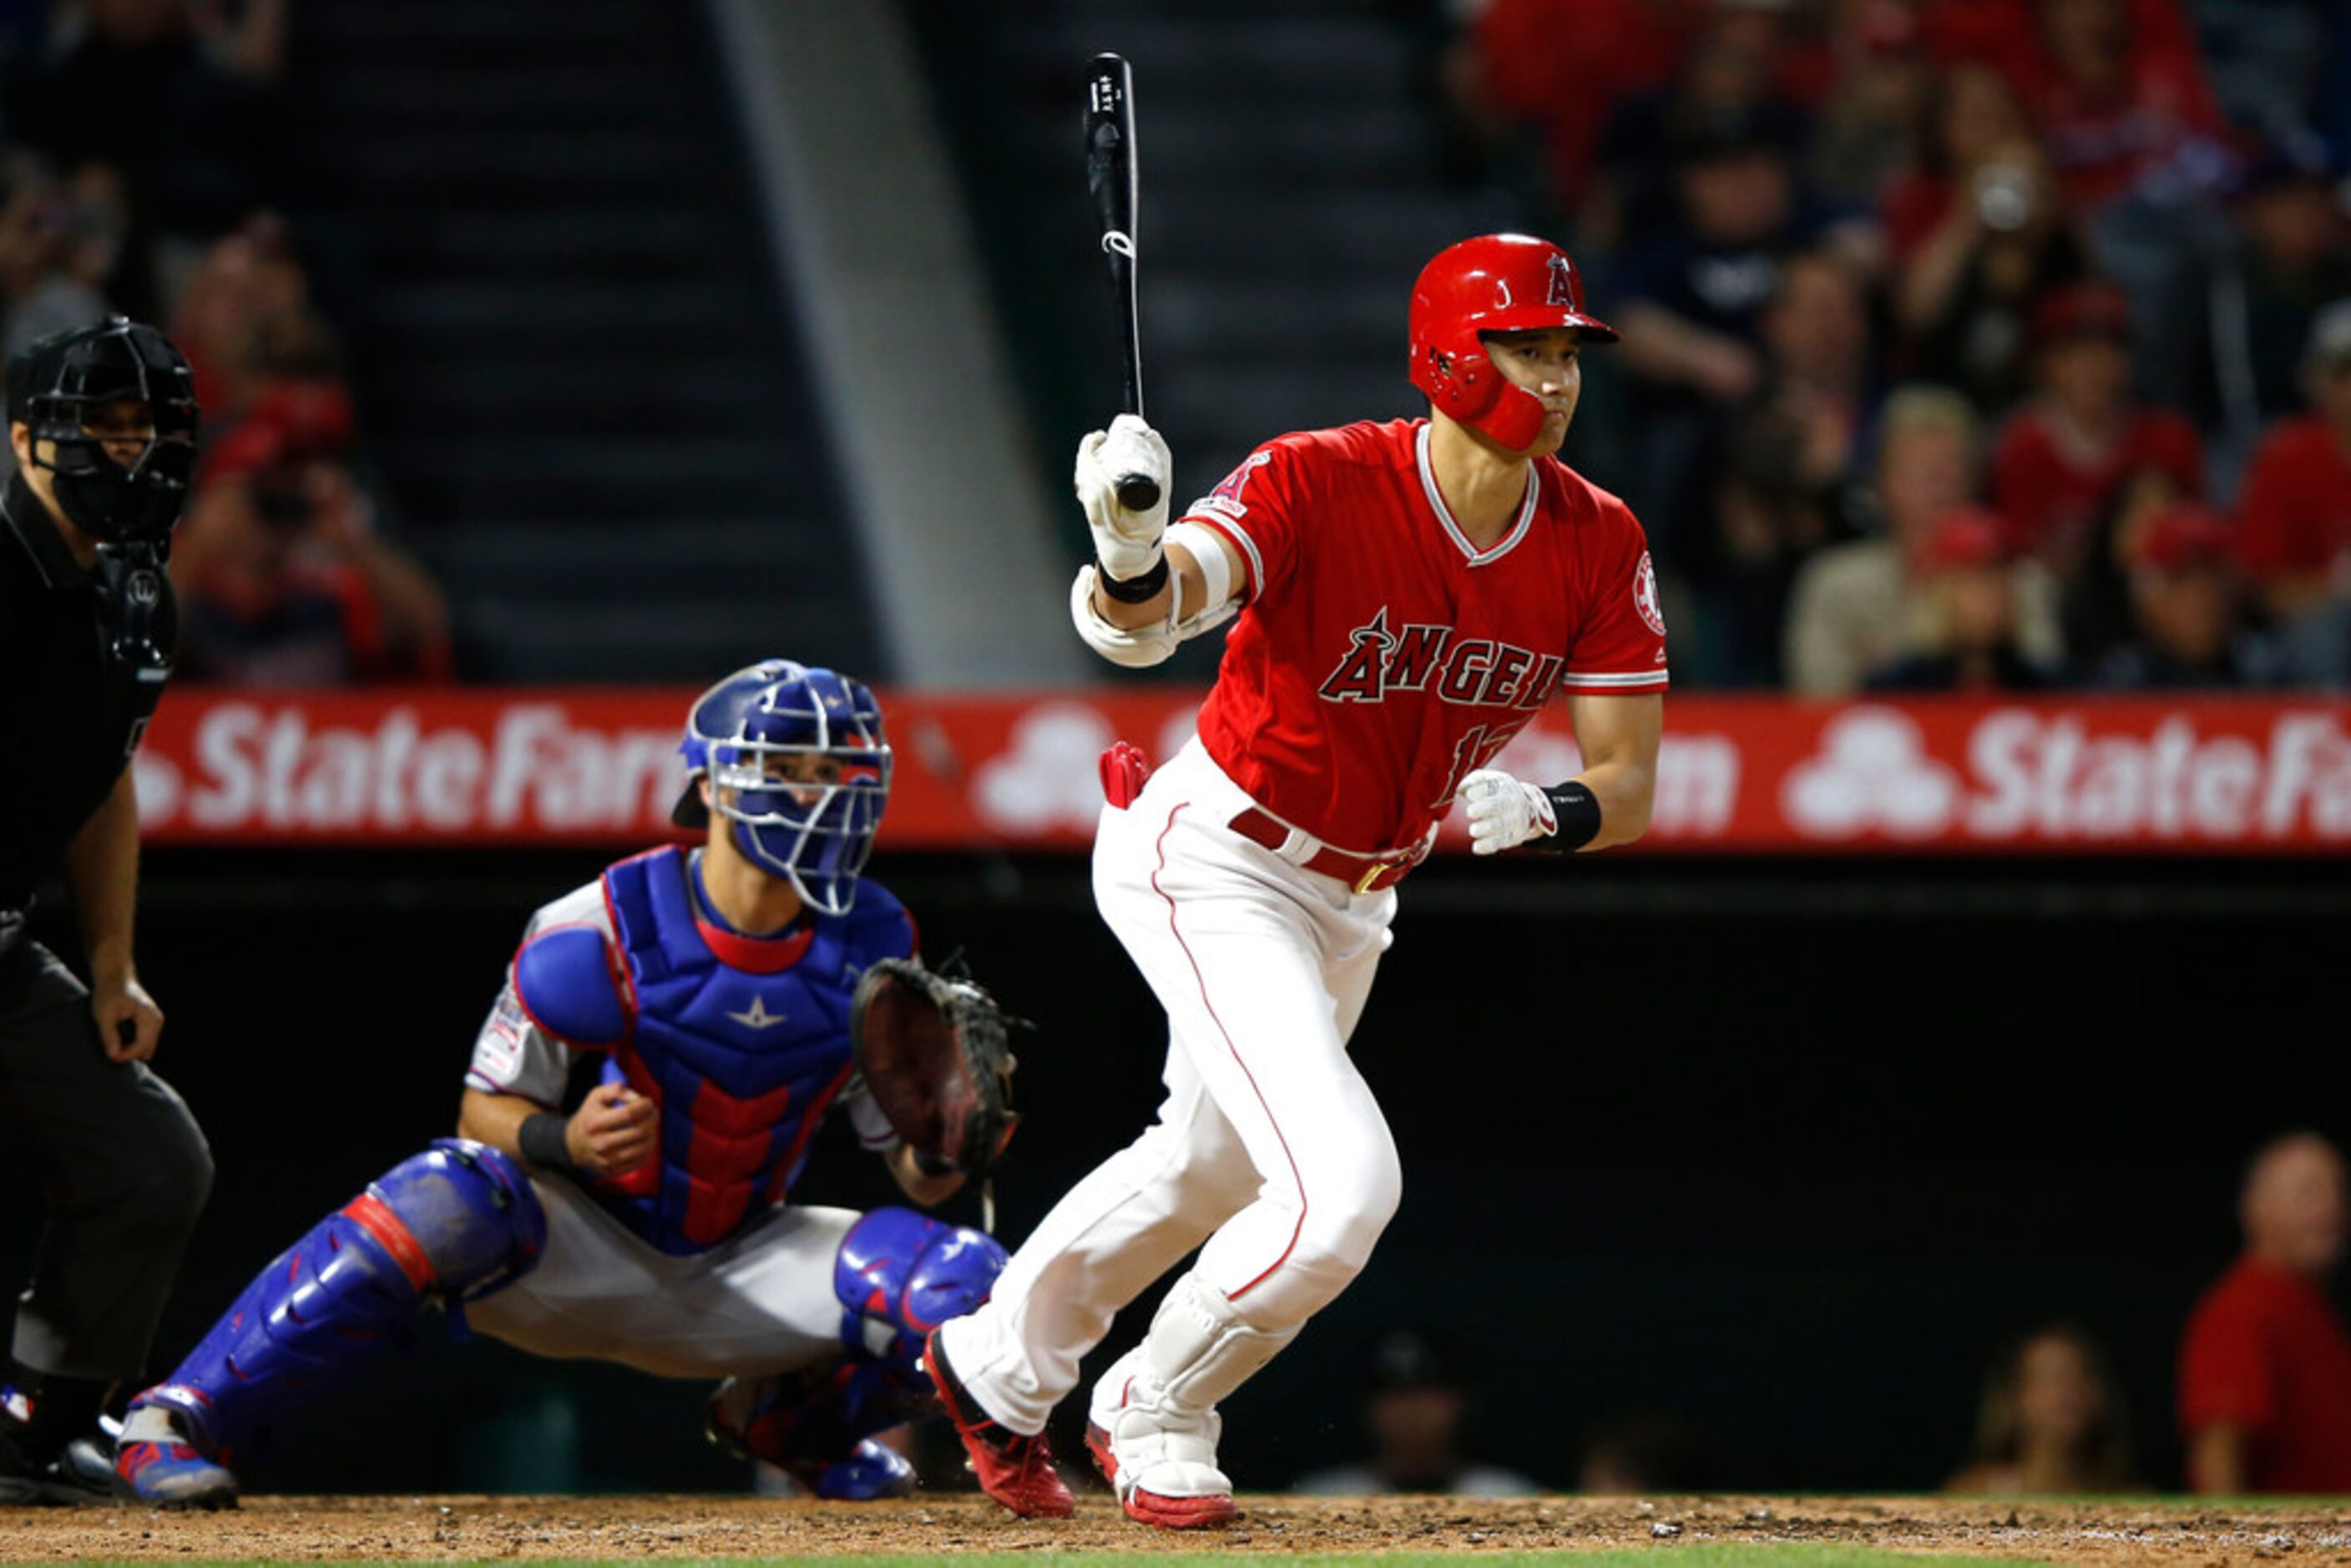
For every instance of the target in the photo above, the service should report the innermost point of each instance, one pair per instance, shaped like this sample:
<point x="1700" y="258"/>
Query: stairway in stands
<point x="587" y="399"/>
<point x="1290" y="193"/>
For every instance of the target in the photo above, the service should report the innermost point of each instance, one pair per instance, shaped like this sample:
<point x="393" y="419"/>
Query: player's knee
<point x="1342" y="1223"/>
<point x="900" y="1274"/>
<point x="465" y="1208"/>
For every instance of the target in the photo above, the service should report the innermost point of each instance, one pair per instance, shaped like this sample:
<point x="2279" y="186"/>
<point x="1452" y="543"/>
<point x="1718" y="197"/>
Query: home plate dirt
<point x="389" y="1529"/>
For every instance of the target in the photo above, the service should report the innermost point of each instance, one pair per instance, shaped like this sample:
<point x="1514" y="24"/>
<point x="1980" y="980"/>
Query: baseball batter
<point x="1408" y="596"/>
<point x="649" y="1226"/>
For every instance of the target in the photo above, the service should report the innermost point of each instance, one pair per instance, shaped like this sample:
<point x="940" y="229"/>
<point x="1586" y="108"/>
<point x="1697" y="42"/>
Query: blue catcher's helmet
<point x="798" y="763"/>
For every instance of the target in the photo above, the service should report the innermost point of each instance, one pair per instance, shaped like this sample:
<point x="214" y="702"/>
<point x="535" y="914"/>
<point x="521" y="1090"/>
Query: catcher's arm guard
<point x="936" y="1061"/>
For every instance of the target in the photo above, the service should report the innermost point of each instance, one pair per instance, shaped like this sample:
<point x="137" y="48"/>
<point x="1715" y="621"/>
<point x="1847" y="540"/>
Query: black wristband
<point x="1133" y="590"/>
<point x="545" y="1143"/>
<point x="1578" y="810"/>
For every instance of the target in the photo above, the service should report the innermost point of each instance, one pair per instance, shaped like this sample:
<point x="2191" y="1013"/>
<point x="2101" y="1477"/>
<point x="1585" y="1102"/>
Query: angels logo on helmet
<point x="1563" y="290"/>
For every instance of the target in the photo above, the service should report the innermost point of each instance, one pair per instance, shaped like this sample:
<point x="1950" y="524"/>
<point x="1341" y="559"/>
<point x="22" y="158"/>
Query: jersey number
<point x="1477" y="747"/>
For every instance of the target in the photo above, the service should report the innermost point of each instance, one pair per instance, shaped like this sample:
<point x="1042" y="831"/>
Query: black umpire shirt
<point x="71" y="712"/>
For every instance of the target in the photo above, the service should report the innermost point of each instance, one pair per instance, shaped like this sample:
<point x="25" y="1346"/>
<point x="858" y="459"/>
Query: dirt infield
<point x="437" y="1528"/>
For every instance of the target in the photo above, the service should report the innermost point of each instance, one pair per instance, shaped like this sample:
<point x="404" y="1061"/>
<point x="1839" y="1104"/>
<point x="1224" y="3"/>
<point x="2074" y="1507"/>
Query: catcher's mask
<point x="797" y="762"/>
<point x="58" y="386"/>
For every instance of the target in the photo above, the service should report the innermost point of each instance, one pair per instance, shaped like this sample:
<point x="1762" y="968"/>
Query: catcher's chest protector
<point x="743" y="1044"/>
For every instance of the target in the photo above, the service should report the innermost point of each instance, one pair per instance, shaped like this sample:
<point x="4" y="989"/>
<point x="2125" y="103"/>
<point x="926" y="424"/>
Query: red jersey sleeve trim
<point x="1240" y="542"/>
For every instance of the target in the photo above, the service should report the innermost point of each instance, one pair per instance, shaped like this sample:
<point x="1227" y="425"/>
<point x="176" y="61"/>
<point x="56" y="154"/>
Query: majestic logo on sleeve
<point x="1645" y="595"/>
<point x="1473" y="671"/>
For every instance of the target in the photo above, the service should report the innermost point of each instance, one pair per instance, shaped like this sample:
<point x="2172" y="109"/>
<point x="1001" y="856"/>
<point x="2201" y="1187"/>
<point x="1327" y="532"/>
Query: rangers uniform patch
<point x="1645" y="595"/>
<point x="501" y="1043"/>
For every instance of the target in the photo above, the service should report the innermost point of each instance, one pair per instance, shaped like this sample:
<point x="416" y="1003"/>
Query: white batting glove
<point x="1504" y="811"/>
<point x="1128" y="544"/>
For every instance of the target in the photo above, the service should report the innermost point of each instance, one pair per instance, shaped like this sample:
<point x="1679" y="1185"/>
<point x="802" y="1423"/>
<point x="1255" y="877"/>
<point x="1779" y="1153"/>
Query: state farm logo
<point x="1873" y="772"/>
<point x="1045" y="779"/>
<point x="2031" y="774"/>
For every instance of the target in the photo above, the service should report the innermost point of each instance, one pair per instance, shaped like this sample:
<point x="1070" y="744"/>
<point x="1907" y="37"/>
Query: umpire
<point x="103" y="420"/>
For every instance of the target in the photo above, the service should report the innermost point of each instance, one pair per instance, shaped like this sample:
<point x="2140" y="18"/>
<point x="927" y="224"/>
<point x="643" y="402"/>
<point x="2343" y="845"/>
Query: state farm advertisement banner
<point x="1773" y="775"/>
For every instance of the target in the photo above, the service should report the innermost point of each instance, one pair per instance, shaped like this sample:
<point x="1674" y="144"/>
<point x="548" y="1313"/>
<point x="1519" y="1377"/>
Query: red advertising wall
<point x="1761" y="774"/>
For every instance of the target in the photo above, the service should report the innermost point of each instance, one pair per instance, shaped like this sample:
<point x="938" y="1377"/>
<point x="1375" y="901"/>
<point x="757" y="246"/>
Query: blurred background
<point x="1985" y="390"/>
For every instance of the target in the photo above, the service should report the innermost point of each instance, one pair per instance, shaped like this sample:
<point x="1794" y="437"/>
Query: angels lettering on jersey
<point x="1474" y="672"/>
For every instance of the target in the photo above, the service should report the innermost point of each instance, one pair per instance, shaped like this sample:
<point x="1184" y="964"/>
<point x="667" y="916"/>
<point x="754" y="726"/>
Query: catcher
<point x="726" y="990"/>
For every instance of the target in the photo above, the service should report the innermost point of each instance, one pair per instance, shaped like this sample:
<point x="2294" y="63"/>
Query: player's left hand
<point x="130" y="1024"/>
<point x="1505" y="812"/>
<point x="1127" y="543"/>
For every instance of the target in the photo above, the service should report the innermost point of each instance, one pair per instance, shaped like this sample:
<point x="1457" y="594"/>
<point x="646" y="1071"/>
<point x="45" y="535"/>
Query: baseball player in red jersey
<point x="1408" y="595"/>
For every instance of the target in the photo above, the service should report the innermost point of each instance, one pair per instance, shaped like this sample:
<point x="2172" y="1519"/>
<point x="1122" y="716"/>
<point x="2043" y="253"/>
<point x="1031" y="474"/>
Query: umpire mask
<point x="89" y="389"/>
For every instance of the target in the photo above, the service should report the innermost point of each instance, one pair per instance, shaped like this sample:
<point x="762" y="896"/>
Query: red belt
<point x="1364" y="873"/>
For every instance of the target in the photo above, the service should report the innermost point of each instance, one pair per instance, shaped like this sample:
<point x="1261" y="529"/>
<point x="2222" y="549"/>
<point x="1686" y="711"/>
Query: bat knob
<point x="1138" y="494"/>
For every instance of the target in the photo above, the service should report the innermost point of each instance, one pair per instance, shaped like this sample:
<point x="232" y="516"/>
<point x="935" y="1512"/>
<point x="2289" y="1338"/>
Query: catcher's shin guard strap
<point x="900" y="1274"/>
<point x="1199" y="1349"/>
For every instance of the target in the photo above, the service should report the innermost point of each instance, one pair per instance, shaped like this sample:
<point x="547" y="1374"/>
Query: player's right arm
<point x="559" y="1000"/>
<point x="611" y="1134"/>
<point x="1149" y="586"/>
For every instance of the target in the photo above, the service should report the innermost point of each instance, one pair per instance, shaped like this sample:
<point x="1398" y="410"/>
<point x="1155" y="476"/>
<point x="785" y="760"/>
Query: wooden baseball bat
<point x="1111" y="176"/>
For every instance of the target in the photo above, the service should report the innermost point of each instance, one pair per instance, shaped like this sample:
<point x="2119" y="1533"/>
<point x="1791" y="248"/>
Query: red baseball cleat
<point x="1015" y="1469"/>
<point x="1206" y="1509"/>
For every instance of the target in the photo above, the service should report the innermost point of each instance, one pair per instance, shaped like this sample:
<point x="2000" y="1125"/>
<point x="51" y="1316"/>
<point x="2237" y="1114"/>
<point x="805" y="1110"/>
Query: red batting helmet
<point x="1494" y="283"/>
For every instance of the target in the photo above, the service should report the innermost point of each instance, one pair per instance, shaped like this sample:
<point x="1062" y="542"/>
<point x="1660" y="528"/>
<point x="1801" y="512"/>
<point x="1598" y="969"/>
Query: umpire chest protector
<point x="742" y="1043"/>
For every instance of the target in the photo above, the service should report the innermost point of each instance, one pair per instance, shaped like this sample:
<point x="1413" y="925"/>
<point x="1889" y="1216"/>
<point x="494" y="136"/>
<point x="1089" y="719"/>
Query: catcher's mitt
<point x="936" y="1062"/>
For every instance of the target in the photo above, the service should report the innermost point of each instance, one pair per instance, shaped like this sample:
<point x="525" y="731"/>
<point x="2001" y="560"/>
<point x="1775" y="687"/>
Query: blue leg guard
<point x="899" y="1275"/>
<point x="457" y="1222"/>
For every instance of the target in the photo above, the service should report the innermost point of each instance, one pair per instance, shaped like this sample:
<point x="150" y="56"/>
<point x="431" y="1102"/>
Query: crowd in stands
<point x="1968" y="344"/>
<point x="139" y="148"/>
<point x="2261" y="1384"/>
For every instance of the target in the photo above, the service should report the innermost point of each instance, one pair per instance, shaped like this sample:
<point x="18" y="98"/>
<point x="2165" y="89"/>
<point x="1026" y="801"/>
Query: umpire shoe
<point x="1161" y="1462"/>
<point x="157" y="1464"/>
<point x="81" y="1471"/>
<point x="1014" y="1469"/>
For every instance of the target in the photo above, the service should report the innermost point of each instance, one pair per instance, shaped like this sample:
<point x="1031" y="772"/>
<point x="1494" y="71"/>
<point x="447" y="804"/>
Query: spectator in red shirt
<point x="1562" y="65"/>
<point x="283" y="579"/>
<point x="2117" y="87"/>
<point x="2065" y="457"/>
<point x="1970" y="120"/>
<point x="2265" y="1366"/>
<point x="2295" y="535"/>
<point x="2183" y="594"/>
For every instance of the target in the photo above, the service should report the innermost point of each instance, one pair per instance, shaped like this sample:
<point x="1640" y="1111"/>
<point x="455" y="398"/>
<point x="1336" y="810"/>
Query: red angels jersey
<point x="1380" y="656"/>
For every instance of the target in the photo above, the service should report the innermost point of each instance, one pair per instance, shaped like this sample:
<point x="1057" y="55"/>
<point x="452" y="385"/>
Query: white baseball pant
<point x="1268" y="1147"/>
